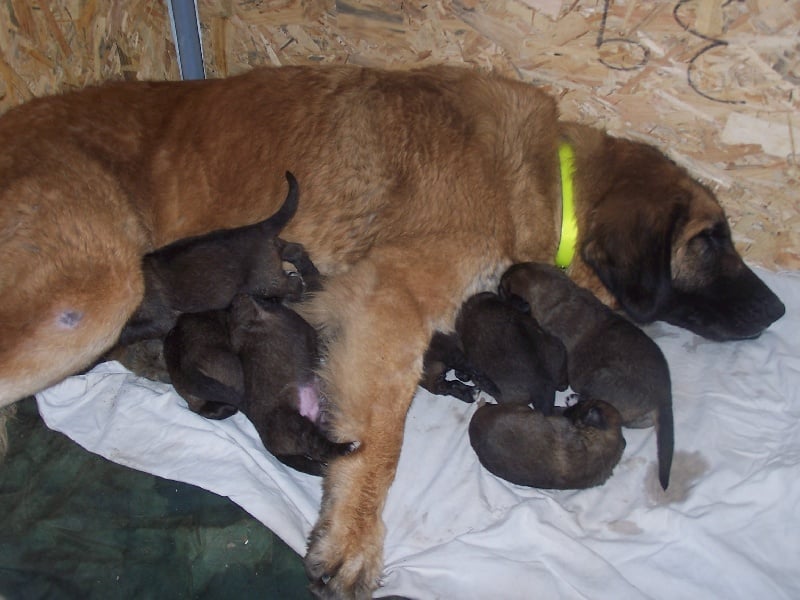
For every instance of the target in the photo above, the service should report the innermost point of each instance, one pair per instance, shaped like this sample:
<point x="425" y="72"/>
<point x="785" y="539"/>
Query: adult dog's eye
<point x="704" y="237"/>
<point x="715" y="234"/>
<point x="709" y="242"/>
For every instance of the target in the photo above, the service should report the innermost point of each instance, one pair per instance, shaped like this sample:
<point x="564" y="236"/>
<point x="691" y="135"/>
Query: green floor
<point x="75" y="525"/>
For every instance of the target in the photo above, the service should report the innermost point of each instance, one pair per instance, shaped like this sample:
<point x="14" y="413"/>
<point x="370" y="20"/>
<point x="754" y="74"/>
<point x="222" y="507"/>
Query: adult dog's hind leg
<point x="71" y="276"/>
<point x="61" y="332"/>
<point x="53" y="336"/>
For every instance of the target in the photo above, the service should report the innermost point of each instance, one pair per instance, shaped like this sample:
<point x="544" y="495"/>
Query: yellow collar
<point x="569" y="221"/>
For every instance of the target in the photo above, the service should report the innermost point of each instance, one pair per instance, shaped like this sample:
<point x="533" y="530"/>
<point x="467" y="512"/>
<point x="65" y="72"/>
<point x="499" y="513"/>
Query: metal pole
<point x="186" y="33"/>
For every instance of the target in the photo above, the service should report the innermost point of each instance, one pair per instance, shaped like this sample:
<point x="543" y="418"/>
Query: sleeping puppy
<point x="504" y="351"/>
<point x="202" y="365"/>
<point x="608" y="357"/>
<point x="420" y="188"/>
<point x="205" y="272"/>
<point x="258" y="357"/>
<point x="573" y="449"/>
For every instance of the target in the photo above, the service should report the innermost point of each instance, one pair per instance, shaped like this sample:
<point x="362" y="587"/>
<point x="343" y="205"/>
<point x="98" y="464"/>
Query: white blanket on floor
<point x="729" y="526"/>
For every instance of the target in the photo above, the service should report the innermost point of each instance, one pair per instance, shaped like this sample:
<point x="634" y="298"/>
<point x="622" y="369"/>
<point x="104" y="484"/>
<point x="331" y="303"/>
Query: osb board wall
<point x="714" y="83"/>
<point x="49" y="46"/>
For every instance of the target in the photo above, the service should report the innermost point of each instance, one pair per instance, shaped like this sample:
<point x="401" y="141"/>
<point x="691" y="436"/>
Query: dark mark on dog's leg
<point x="70" y="319"/>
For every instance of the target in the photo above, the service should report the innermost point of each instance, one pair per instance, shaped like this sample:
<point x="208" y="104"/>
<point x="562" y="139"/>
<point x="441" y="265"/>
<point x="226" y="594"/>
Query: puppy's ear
<point x="243" y="312"/>
<point x="586" y="413"/>
<point x="594" y="418"/>
<point x="631" y="253"/>
<point x="516" y="302"/>
<point x="243" y="308"/>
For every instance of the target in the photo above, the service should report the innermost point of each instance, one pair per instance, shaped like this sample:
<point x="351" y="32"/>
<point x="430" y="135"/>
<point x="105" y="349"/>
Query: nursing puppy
<point x="608" y="357"/>
<point x="573" y="449"/>
<point x="419" y="189"/>
<point x="522" y="363"/>
<point x="258" y="358"/>
<point x="280" y="354"/>
<point x="205" y="272"/>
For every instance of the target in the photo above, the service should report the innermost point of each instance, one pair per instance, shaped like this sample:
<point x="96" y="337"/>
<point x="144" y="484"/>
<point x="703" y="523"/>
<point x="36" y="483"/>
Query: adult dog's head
<point x="659" y="241"/>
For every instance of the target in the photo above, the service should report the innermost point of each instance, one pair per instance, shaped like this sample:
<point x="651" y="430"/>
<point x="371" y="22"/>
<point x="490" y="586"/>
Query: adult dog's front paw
<point x="345" y="559"/>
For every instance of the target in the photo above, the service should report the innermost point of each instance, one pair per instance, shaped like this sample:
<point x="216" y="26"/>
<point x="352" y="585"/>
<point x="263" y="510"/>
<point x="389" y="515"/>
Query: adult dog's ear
<point x="630" y="251"/>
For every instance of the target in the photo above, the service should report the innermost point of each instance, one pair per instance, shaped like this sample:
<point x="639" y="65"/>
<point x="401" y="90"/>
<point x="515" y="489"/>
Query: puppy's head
<point x="535" y="284"/>
<point x="659" y="241"/>
<point x="595" y="414"/>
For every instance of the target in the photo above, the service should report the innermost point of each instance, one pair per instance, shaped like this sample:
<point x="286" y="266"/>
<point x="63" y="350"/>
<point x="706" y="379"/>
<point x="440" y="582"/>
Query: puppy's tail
<point x="284" y="214"/>
<point x="665" y="441"/>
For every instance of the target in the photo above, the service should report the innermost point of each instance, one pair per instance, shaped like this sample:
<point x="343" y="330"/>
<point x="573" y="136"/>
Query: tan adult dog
<point x="418" y="189"/>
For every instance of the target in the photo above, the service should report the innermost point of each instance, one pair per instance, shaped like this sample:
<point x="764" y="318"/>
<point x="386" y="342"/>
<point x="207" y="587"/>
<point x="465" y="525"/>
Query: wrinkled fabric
<point x="728" y="526"/>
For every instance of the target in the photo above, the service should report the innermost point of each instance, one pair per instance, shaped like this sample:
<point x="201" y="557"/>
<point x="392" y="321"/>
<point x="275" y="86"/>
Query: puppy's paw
<point x="462" y="391"/>
<point x="345" y="559"/>
<point x="216" y="411"/>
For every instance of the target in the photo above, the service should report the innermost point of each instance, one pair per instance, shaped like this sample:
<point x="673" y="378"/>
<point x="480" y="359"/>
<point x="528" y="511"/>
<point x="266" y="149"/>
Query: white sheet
<point x="728" y="527"/>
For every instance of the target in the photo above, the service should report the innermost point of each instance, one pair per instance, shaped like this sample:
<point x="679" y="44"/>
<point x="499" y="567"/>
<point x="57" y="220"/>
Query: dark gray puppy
<point x="504" y="345"/>
<point x="608" y="357"/>
<point x="280" y="354"/>
<point x="205" y="272"/>
<point x="258" y="357"/>
<point x="203" y="366"/>
<point x="574" y="449"/>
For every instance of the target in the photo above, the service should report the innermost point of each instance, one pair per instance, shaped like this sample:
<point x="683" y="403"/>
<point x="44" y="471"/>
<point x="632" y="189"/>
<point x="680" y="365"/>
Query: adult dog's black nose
<point x="755" y="305"/>
<point x="731" y="308"/>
